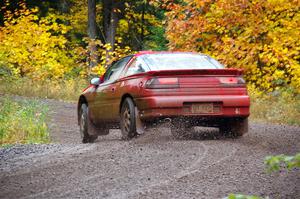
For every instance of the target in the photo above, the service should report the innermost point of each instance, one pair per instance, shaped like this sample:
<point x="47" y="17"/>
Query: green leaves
<point x="275" y="163"/>
<point x="241" y="196"/>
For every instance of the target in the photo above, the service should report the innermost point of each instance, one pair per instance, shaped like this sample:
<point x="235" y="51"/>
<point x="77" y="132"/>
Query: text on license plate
<point x="203" y="108"/>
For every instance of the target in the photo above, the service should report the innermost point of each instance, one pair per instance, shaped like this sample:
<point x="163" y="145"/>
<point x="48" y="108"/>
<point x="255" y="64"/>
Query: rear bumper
<point x="176" y="106"/>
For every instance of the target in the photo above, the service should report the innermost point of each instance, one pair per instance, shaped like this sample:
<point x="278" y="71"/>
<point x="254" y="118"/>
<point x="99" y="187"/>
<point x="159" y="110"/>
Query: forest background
<point x="51" y="48"/>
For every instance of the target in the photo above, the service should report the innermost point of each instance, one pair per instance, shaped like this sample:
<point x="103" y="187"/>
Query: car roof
<point x="164" y="52"/>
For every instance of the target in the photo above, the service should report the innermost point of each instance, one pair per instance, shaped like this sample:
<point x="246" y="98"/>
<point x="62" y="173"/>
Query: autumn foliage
<point x="33" y="46"/>
<point x="259" y="36"/>
<point x="40" y="48"/>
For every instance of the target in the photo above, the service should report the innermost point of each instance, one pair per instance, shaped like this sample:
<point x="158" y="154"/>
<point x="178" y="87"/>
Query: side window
<point x="115" y="70"/>
<point x="137" y="66"/>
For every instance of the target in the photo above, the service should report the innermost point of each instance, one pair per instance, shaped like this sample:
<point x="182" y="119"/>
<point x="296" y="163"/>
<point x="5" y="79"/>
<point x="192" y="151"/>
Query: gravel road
<point x="154" y="165"/>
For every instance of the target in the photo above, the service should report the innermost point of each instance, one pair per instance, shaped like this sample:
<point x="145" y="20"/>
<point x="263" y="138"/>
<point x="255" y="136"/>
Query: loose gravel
<point x="154" y="165"/>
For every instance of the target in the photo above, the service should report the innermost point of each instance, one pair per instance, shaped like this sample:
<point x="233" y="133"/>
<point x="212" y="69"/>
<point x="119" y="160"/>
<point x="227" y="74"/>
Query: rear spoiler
<point x="209" y="72"/>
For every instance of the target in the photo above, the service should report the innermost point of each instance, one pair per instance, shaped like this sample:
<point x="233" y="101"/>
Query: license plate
<point x="203" y="108"/>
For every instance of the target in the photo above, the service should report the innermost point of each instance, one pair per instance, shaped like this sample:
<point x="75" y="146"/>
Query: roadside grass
<point x="281" y="108"/>
<point x="22" y="122"/>
<point x="66" y="90"/>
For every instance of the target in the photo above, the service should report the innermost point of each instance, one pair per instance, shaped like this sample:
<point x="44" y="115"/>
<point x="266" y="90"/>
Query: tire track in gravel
<point x="58" y="169"/>
<point x="195" y="167"/>
<point x="159" y="181"/>
<point x="44" y="158"/>
<point x="62" y="157"/>
<point x="183" y="172"/>
<point x="87" y="180"/>
<point x="65" y="188"/>
<point x="66" y="154"/>
<point x="152" y="166"/>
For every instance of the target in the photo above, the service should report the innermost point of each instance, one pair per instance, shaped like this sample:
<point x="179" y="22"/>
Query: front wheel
<point x="84" y="130"/>
<point x="128" y="119"/>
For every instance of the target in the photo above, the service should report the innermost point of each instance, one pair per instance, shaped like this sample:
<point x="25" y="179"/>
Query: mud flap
<point x="138" y="122"/>
<point x="93" y="130"/>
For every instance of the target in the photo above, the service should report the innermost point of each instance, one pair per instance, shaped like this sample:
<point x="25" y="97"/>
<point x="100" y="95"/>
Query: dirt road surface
<point x="154" y="165"/>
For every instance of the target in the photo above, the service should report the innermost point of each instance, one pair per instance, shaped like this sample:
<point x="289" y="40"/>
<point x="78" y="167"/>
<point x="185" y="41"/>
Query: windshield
<point x="180" y="61"/>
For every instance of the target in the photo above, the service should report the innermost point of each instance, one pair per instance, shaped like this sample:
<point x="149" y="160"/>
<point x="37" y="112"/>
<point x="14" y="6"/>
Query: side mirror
<point x="95" y="81"/>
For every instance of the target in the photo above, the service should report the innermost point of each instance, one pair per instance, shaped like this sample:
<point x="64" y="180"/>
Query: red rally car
<point x="185" y="89"/>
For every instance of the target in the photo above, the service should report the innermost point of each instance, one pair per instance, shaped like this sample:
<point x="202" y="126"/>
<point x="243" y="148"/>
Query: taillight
<point x="162" y="82"/>
<point x="231" y="81"/>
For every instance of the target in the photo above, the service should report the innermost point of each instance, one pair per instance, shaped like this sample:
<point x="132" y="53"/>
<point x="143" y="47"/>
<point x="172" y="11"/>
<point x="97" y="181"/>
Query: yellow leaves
<point x="104" y="53"/>
<point x="99" y="69"/>
<point x="35" y="48"/>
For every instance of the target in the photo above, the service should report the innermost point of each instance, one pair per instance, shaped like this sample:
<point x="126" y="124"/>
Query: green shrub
<point x="274" y="163"/>
<point x="22" y="122"/>
<point x="241" y="196"/>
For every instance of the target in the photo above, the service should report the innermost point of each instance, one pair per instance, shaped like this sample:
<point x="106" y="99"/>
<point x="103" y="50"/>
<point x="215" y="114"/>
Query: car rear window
<point x="180" y="61"/>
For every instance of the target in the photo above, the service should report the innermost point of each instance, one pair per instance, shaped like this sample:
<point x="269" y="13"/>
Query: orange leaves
<point x="259" y="36"/>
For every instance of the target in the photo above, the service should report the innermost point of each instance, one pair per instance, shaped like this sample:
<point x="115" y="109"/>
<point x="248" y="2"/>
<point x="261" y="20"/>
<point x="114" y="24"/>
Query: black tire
<point x="180" y="129"/>
<point x="84" y="127"/>
<point x="127" y="117"/>
<point x="234" y="127"/>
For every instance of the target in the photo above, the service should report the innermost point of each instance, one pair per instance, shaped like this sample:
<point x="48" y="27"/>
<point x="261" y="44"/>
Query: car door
<point x="107" y="94"/>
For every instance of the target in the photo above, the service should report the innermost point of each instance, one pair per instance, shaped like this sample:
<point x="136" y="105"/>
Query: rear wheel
<point x="84" y="130"/>
<point x="234" y="127"/>
<point x="128" y="119"/>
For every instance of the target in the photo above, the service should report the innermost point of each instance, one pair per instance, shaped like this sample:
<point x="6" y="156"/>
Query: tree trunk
<point x="107" y="7"/>
<point x="64" y="6"/>
<point x="112" y="11"/>
<point x="111" y="30"/>
<point x="92" y="33"/>
<point x="142" y="26"/>
<point x="110" y="20"/>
